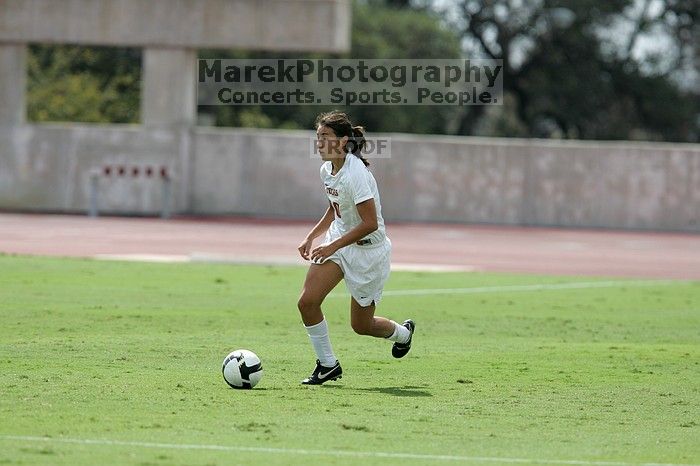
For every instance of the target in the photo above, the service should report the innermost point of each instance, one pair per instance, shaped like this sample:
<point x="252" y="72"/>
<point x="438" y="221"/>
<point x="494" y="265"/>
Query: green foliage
<point x="380" y="32"/>
<point x="87" y="84"/>
<point x="384" y="33"/>
<point x="573" y="81"/>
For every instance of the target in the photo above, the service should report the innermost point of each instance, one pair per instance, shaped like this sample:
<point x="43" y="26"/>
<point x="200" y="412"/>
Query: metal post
<point x="94" y="185"/>
<point x="167" y="194"/>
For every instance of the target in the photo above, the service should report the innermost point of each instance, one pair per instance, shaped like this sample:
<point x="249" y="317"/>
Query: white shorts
<point x="365" y="269"/>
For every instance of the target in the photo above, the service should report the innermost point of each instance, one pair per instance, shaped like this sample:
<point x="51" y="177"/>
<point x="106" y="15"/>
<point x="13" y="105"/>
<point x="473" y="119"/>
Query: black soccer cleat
<point x="323" y="374"/>
<point x="399" y="350"/>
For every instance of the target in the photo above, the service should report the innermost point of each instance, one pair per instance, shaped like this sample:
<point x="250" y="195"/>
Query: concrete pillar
<point x="169" y="101"/>
<point x="13" y="84"/>
<point x="168" y="87"/>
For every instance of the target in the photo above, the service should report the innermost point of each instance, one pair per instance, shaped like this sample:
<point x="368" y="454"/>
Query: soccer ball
<point x="242" y="369"/>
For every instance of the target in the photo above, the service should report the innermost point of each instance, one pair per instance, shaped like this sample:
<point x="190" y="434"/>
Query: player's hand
<point x="323" y="252"/>
<point x="305" y="248"/>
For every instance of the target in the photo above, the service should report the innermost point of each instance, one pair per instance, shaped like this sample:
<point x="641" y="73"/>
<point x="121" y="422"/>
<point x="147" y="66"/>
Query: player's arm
<point x="322" y="226"/>
<point x="368" y="215"/>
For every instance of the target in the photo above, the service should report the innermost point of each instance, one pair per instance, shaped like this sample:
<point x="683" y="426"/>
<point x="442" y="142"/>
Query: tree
<point x="567" y="76"/>
<point x="88" y="84"/>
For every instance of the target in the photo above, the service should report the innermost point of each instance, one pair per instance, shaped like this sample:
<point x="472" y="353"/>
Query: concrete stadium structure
<point x="47" y="167"/>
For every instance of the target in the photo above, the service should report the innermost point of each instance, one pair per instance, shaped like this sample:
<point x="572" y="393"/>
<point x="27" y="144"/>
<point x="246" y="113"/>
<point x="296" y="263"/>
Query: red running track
<point x="419" y="246"/>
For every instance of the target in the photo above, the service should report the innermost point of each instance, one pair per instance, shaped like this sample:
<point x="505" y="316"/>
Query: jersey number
<point x="336" y="207"/>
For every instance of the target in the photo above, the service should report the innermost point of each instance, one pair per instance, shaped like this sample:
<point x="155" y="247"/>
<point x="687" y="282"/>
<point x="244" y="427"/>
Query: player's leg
<point x="364" y="322"/>
<point x="320" y="280"/>
<point x="365" y="275"/>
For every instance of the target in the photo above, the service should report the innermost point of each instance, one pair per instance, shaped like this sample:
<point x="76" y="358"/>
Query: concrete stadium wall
<point x="47" y="168"/>
<point x="541" y="182"/>
<point x="429" y="178"/>
<point x="256" y="172"/>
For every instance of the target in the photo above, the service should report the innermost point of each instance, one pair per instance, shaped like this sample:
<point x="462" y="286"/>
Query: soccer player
<point x="355" y="248"/>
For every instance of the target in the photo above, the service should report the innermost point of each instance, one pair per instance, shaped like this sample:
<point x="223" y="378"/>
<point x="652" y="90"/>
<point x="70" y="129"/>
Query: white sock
<point x="322" y="343"/>
<point x="400" y="335"/>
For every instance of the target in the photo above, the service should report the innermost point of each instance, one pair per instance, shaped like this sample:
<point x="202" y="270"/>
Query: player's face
<point x="329" y="145"/>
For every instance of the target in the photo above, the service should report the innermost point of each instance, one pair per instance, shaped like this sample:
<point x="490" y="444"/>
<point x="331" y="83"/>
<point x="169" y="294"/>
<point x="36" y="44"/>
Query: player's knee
<point x="307" y="303"/>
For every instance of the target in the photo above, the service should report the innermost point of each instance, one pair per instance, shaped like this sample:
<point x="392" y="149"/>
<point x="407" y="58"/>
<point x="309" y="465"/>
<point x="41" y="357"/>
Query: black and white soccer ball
<point x="242" y="369"/>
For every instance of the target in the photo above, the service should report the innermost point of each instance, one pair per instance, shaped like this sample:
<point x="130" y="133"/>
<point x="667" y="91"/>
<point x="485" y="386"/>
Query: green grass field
<point x="120" y="363"/>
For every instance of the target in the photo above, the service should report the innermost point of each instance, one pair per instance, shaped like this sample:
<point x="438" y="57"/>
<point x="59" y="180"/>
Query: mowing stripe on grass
<point x="336" y="453"/>
<point x="520" y="288"/>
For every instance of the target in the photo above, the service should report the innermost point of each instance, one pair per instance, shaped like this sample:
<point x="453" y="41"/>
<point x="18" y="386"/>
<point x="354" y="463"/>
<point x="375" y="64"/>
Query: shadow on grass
<point x="407" y="390"/>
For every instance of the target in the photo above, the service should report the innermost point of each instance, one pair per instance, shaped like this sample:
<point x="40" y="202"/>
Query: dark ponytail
<point x="340" y="124"/>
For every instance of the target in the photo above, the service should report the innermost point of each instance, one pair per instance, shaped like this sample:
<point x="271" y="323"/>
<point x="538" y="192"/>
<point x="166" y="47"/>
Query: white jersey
<point x="352" y="185"/>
